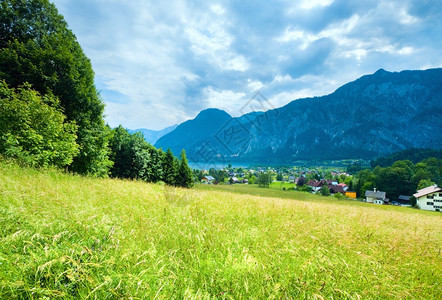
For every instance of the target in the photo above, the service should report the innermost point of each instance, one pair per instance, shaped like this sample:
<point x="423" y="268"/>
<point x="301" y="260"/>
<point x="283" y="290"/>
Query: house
<point x="344" y="186"/>
<point x="429" y="198"/>
<point x="334" y="189"/>
<point x="404" y="200"/>
<point x="316" y="185"/>
<point x="207" y="179"/>
<point x="376" y="197"/>
<point x="233" y="180"/>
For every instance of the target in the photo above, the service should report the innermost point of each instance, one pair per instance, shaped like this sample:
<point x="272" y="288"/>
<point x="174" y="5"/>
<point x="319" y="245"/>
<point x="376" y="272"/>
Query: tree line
<point x="51" y="113"/>
<point x="134" y="158"/>
<point x="402" y="177"/>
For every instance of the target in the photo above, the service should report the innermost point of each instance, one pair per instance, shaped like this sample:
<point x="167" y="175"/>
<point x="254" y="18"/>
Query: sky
<point x="159" y="63"/>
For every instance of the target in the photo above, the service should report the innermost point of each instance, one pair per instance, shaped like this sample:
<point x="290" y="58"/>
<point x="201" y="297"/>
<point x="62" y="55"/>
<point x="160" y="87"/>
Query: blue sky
<point x="158" y="63"/>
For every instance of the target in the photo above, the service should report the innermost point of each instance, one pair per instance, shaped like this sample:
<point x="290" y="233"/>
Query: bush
<point x="33" y="128"/>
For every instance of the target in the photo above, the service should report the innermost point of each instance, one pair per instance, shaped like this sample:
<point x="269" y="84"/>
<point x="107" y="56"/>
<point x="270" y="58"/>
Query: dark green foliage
<point x="305" y="188"/>
<point x="279" y="176"/>
<point x="155" y="165"/>
<point x="365" y="181"/>
<point x="264" y="180"/>
<point x="185" y="175"/>
<point x="355" y="168"/>
<point x="401" y="178"/>
<point x="170" y="168"/>
<point x="301" y="181"/>
<point x="33" y="129"/>
<point x="324" y="191"/>
<point x="133" y="157"/>
<point x="121" y="153"/>
<point x="414" y="155"/>
<point x="350" y="185"/>
<point x="395" y="180"/>
<point x="37" y="47"/>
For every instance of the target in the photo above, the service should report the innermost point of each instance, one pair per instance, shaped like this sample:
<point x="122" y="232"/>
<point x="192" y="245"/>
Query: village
<point x="321" y="181"/>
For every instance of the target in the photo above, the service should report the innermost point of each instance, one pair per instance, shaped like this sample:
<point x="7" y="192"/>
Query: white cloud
<point x="211" y="41"/>
<point x="254" y="85"/>
<point x="218" y="9"/>
<point x="309" y="4"/>
<point x="227" y="100"/>
<point x="161" y="62"/>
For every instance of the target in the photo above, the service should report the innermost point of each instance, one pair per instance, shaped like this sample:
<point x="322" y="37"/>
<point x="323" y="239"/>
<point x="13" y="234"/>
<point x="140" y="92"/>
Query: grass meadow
<point x="65" y="236"/>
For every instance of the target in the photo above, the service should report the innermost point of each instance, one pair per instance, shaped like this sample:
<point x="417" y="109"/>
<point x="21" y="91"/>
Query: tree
<point x="354" y="168"/>
<point x="305" y="188"/>
<point x="424" y="183"/>
<point x="33" y="130"/>
<point x="135" y="158"/>
<point x="37" y="47"/>
<point x="185" y="176"/>
<point x="279" y="176"/>
<point x="121" y="153"/>
<point x="350" y="185"/>
<point x="169" y="168"/>
<point x="395" y="181"/>
<point x="141" y="157"/>
<point x="365" y="181"/>
<point x="324" y="191"/>
<point x="264" y="180"/>
<point x="155" y="164"/>
<point x="301" y="181"/>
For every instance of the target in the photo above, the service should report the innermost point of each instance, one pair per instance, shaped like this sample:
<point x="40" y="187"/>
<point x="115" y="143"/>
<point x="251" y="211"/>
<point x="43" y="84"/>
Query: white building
<point x="429" y="198"/>
<point x="376" y="197"/>
<point x="207" y="179"/>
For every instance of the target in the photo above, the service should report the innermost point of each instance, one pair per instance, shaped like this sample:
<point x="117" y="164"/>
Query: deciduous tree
<point x="36" y="46"/>
<point x="33" y="129"/>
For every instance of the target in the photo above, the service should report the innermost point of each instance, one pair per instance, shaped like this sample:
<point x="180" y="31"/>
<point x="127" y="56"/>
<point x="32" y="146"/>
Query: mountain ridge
<point x="152" y="136"/>
<point x="374" y="115"/>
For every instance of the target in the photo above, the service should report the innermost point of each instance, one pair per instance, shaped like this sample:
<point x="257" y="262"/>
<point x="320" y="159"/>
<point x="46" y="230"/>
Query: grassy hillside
<point x="75" y="237"/>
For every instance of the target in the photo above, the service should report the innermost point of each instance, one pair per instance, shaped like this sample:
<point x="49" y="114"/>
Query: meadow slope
<point x="65" y="236"/>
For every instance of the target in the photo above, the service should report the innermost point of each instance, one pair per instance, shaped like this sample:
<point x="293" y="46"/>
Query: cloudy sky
<point x="159" y="63"/>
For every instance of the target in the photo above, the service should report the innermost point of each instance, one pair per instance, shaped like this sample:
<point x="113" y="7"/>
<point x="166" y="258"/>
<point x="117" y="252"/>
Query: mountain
<point x="152" y="136"/>
<point x="194" y="132"/>
<point x="375" y="115"/>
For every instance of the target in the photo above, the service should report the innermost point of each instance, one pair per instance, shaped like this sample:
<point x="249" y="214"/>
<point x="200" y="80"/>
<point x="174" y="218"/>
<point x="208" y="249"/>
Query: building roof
<point x="336" y="188"/>
<point x="427" y="190"/>
<point x="404" y="198"/>
<point x="209" y="177"/>
<point x="377" y="194"/>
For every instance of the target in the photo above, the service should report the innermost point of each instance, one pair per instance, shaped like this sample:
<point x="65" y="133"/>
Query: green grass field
<point x="64" y="236"/>
<point x="275" y="190"/>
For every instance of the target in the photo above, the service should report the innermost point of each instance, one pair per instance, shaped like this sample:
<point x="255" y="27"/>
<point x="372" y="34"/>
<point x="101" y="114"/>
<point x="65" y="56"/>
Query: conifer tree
<point x="169" y="168"/>
<point x="185" y="174"/>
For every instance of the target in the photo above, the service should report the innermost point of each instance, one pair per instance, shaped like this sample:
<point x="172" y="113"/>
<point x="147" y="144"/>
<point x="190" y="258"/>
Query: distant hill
<point x="414" y="155"/>
<point x="152" y="136"/>
<point x="373" y="116"/>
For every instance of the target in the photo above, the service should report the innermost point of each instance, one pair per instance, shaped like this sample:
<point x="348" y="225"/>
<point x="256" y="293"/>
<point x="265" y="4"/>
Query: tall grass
<point x="65" y="236"/>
